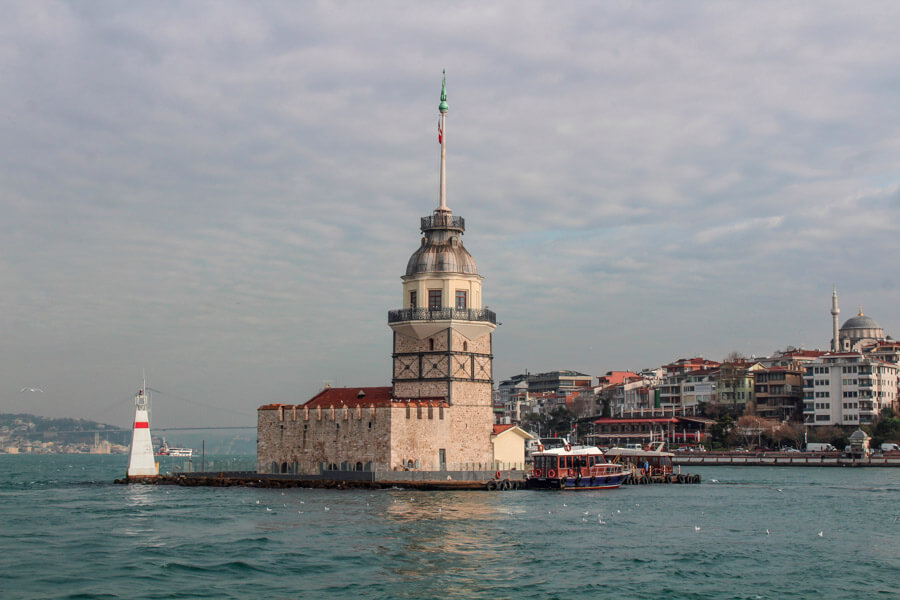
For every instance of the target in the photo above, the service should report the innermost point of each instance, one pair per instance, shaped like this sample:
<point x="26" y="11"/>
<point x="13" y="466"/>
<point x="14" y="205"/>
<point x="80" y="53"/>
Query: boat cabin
<point x="654" y="461"/>
<point x="583" y="461"/>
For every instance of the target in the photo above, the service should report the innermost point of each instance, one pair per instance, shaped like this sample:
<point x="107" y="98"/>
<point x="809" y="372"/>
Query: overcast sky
<point x="225" y="194"/>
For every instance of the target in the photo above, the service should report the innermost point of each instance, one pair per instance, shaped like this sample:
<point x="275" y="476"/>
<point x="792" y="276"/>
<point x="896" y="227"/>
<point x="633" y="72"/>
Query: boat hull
<point x="599" y="482"/>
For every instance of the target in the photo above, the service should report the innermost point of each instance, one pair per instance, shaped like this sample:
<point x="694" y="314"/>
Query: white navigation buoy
<point x="141" y="463"/>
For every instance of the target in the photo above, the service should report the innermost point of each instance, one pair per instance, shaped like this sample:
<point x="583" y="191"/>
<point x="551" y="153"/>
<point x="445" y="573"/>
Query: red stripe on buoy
<point x="142" y="425"/>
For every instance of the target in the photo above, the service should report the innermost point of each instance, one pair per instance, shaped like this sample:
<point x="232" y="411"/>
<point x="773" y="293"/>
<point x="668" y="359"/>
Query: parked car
<point x="789" y="449"/>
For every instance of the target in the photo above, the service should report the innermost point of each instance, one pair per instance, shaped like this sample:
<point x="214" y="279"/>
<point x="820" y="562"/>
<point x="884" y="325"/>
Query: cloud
<point x="226" y="194"/>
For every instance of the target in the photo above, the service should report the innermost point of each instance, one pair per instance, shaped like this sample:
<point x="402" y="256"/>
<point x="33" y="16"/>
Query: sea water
<point x="66" y="531"/>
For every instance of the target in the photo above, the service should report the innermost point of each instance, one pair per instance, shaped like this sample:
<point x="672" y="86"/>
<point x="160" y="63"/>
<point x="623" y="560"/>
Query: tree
<point x="533" y="422"/>
<point x="789" y="433"/>
<point x="560" y="420"/>
<point x="832" y="434"/>
<point x="752" y="430"/>
<point x="720" y="431"/>
<point x="886" y="428"/>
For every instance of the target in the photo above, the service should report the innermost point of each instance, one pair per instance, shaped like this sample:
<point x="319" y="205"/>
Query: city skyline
<point x="225" y="195"/>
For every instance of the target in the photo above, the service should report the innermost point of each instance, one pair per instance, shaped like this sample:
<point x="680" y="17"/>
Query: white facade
<point x="698" y="387"/>
<point x="847" y="389"/>
<point x="141" y="462"/>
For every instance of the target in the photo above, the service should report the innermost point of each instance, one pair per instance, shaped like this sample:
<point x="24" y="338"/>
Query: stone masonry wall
<point x="472" y="421"/>
<point x="420" y="389"/>
<point x="418" y="433"/>
<point x="309" y="438"/>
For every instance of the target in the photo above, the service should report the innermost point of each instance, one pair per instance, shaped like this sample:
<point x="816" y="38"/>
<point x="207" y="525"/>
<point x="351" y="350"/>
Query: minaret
<point x="835" y="311"/>
<point x="141" y="462"/>
<point x="442" y="349"/>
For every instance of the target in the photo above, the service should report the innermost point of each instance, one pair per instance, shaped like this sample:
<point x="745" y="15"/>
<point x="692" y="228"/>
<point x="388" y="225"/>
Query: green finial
<point x="443" y="105"/>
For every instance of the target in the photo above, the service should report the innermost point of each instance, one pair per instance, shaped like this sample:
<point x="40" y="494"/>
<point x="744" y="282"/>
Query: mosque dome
<point x="860" y="329"/>
<point x="860" y="322"/>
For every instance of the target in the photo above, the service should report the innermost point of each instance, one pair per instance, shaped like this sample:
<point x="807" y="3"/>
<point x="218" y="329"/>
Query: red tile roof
<point x="617" y="377"/>
<point x="356" y="396"/>
<point x="498" y="429"/>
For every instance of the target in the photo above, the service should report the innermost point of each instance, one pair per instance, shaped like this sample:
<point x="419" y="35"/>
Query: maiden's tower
<point x="437" y="414"/>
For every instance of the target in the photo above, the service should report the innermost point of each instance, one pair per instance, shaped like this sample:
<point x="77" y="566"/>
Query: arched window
<point x="273" y="468"/>
<point x="410" y="464"/>
<point x="359" y="466"/>
<point x="465" y="346"/>
<point x="284" y="467"/>
<point x="431" y="343"/>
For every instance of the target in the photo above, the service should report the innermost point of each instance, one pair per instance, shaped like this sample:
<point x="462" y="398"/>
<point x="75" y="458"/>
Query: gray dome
<point x="441" y="256"/>
<point x="860" y="322"/>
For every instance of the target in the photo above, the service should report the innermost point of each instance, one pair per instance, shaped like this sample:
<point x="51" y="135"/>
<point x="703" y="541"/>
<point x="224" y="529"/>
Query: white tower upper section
<point x="441" y="283"/>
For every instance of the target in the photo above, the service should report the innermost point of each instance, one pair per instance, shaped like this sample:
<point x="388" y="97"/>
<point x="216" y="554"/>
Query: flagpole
<point x="443" y="139"/>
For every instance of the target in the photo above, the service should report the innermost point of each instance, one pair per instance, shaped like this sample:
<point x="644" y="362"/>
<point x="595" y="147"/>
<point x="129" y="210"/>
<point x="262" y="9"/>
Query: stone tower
<point x="443" y="334"/>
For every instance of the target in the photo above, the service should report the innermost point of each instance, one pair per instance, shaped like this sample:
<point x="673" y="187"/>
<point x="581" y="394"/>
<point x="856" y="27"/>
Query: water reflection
<point x="448" y="543"/>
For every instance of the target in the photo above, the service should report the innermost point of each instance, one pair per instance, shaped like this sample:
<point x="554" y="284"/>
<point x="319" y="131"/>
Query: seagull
<point x="28" y="389"/>
<point x="696" y="528"/>
<point x="821" y="533"/>
<point x="714" y="481"/>
<point x="780" y="489"/>
<point x="326" y="508"/>
<point x="268" y="509"/>
<point x="767" y="532"/>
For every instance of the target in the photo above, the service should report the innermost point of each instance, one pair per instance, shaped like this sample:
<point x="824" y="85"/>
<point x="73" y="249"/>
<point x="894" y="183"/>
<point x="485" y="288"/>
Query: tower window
<point x="460" y="299"/>
<point x="413" y="299"/>
<point x="434" y="299"/>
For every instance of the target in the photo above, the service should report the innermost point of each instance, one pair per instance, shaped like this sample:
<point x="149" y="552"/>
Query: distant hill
<point x="64" y="434"/>
<point x="64" y="430"/>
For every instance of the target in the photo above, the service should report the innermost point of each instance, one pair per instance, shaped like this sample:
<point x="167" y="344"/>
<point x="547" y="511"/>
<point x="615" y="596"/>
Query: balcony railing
<point x="439" y="221"/>
<point x="443" y="314"/>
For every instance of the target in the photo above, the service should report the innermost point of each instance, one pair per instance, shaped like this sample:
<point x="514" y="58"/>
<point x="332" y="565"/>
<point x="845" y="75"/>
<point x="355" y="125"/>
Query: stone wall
<point x="301" y="439"/>
<point x="418" y="433"/>
<point x="420" y="389"/>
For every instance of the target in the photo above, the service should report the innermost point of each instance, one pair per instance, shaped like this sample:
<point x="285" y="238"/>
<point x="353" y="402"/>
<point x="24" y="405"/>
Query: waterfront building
<point x="698" y="387"/>
<point x="644" y="430"/>
<point x="558" y="382"/>
<point x="670" y="390"/>
<point x="779" y="393"/>
<point x="734" y="382"/>
<point x="847" y="389"/>
<point x="438" y="413"/>
<point x="509" y="446"/>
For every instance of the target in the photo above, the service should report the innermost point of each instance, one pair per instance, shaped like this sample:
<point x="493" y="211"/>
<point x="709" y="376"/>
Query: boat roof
<point x="576" y="451"/>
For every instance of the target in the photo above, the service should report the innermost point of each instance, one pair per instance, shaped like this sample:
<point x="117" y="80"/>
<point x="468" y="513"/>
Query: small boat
<point x="164" y="450"/>
<point x="574" y="468"/>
